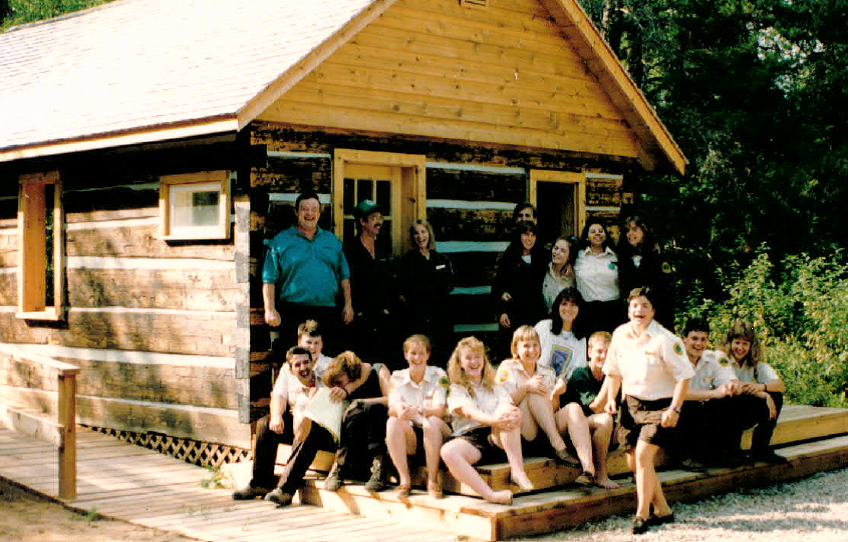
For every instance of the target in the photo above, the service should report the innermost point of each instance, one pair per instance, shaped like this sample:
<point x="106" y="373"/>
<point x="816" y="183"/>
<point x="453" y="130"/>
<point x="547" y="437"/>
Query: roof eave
<point x="654" y="138"/>
<point x="149" y="134"/>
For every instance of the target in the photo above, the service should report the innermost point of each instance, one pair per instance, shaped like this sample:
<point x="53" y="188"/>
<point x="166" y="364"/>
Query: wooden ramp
<point x="134" y="484"/>
<point x="812" y="439"/>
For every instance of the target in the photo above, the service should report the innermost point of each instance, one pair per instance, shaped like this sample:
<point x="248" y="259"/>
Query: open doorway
<point x="559" y="197"/>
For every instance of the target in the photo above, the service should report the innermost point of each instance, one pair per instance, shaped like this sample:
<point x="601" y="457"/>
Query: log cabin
<point x="148" y="148"/>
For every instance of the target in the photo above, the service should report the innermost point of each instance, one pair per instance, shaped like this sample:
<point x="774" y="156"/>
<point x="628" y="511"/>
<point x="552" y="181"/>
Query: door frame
<point x="409" y="201"/>
<point x="567" y="177"/>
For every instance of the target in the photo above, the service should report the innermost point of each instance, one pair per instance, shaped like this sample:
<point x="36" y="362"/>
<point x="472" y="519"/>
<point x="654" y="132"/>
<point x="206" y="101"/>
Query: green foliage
<point x="799" y="309"/>
<point x="215" y="480"/>
<point x="17" y="12"/>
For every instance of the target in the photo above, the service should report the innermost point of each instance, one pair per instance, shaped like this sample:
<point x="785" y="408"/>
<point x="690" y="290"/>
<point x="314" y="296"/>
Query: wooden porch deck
<point x="130" y="483"/>
<point x="140" y="486"/>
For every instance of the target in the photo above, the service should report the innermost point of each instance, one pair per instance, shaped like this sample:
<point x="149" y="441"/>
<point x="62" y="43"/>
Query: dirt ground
<point x="26" y="518"/>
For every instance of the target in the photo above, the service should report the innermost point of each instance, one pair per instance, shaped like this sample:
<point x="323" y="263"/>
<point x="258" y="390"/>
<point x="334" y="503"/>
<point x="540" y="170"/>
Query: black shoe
<point x="378" y="479"/>
<point x="655" y="521"/>
<point x="733" y="460"/>
<point x="768" y="456"/>
<point x="279" y="498"/>
<point x="640" y="526"/>
<point x="249" y="493"/>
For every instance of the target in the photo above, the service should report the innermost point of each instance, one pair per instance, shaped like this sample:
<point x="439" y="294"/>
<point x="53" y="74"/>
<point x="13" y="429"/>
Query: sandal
<point x="403" y="490"/>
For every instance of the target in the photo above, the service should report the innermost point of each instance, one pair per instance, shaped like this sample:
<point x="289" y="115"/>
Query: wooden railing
<point x="60" y="432"/>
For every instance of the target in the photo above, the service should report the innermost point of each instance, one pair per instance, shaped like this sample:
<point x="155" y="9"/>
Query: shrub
<point x="799" y="309"/>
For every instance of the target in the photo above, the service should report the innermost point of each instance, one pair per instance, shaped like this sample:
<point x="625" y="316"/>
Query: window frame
<point x="32" y="236"/>
<point x="220" y="231"/>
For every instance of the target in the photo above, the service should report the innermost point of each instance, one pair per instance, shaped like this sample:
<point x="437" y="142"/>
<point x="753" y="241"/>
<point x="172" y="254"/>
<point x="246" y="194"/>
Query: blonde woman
<point x="486" y="423"/>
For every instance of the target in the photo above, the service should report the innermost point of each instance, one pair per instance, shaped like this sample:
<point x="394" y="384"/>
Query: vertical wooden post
<point x="68" y="448"/>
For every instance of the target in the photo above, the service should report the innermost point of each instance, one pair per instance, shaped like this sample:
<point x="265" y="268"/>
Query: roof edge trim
<point x="117" y="139"/>
<point x="608" y="62"/>
<point x="282" y="84"/>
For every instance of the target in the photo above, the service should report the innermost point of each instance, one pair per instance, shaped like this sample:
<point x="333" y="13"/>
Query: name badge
<point x="440" y="267"/>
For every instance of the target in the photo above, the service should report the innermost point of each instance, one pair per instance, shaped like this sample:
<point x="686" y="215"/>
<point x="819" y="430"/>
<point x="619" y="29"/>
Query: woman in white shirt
<point x="648" y="363"/>
<point x="596" y="270"/>
<point x="561" y="335"/>
<point x="753" y="376"/>
<point x="417" y="403"/>
<point x="560" y="273"/>
<point x="485" y="425"/>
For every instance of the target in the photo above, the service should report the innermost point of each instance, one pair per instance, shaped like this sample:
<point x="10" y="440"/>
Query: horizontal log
<point x="198" y="386"/>
<point x="475" y="186"/>
<point x="184" y="332"/>
<point x="201" y="290"/>
<point x="8" y="289"/>
<point x="139" y="241"/>
<point x="33" y="424"/>
<point x="468" y="224"/>
<point x="116" y="198"/>
<point x="219" y="426"/>
<point x="287" y="137"/>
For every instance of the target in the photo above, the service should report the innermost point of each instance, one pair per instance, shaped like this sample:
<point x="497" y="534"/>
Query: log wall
<point x="470" y="210"/>
<point x="152" y="324"/>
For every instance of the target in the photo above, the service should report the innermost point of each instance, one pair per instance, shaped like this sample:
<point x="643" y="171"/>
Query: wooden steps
<point x="812" y="439"/>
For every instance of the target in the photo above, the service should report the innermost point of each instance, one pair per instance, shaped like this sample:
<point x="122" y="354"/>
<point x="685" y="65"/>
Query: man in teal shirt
<point x="304" y="271"/>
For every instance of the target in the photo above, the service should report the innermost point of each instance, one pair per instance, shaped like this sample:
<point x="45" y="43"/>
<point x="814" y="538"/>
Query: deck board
<point x="127" y="482"/>
<point x="123" y="481"/>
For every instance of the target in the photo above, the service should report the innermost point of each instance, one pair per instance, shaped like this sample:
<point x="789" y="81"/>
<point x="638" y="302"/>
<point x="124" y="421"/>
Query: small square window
<point x="195" y="206"/>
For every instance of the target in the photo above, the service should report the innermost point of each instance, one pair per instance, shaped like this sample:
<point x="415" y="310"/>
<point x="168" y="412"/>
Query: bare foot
<point x="606" y="483"/>
<point x="501" y="497"/>
<point x="522" y="481"/>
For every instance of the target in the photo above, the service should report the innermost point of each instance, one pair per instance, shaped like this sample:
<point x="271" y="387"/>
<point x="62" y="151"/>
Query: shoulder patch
<point x="678" y="349"/>
<point x="503" y="375"/>
<point x="723" y="361"/>
<point x="666" y="267"/>
<point x="443" y="382"/>
<point x="612" y="265"/>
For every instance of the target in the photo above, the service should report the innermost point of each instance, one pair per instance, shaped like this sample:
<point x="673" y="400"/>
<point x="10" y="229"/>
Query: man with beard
<point x="373" y="334"/>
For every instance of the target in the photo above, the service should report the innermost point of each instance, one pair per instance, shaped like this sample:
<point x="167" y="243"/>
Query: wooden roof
<point x="137" y="71"/>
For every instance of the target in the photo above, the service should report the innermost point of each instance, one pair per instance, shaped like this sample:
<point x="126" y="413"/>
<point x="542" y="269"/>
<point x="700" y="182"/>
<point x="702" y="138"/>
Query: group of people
<point x="568" y="388"/>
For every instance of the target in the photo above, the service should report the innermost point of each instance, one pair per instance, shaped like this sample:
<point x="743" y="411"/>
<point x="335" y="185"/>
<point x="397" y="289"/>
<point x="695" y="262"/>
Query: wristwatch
<point x="676" y="409"/>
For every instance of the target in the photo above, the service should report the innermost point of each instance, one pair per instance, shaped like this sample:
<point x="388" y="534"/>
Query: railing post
<point x="68" y="450"/>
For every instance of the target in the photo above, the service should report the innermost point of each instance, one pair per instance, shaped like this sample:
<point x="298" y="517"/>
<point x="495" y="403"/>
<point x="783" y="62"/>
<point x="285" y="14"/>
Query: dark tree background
<point x="756" y="94"/>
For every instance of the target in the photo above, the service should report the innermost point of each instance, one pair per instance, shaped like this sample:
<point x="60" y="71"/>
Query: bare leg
<point x="529" y="429"/>
<point x="647" y="483"/>
<point x="399" y="437"/>
<point x="601" y="426"/>
<point x="459" y="456"/>
<point x="435" y="430"/>
<point x="543" y="412"/>
<point x="571" y="417"/>
<point x="510" y="441"/>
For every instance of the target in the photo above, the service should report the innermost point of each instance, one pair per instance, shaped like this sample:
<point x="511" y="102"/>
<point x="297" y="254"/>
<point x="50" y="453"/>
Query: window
<point x="195" y="206"/>
<point x="41" y="265"/>
<point x="395" y="181"/>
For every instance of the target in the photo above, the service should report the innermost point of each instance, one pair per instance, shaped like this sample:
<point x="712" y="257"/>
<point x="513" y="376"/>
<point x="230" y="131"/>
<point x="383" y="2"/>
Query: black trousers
<point x="302" y="454"/>
<point x="710" y="429"/>
<point x="363" y="437"/>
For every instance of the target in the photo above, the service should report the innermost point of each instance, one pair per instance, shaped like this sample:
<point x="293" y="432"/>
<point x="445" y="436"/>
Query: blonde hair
<point x="742" y="329"/>
<point x="309" y="328"/>
<point x="417" y="338"/>
<point x="346" y="363"/>
<point x="523" y="333"/>
<point x="599" y="336"/>
<point x="431" y="241"/>
<point x="457" y="374"/>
